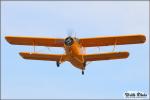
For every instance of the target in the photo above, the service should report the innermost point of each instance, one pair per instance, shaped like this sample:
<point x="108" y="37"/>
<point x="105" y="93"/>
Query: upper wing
<point x="112" y="40"/>
<point x="39" y="56"/>
<point x="36" y="41"/>
<point x="106" y="56"/>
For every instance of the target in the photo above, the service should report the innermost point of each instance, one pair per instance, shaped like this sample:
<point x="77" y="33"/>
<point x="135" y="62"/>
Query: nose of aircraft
<point x="69" y="41"/>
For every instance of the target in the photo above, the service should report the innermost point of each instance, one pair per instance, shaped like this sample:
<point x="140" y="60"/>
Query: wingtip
<point x="127" y="54"/>
<point x="144" y="40"/>
<point x="21" y="54"/>
<point x="8" y="39"/>
<point x="142" y="37"/>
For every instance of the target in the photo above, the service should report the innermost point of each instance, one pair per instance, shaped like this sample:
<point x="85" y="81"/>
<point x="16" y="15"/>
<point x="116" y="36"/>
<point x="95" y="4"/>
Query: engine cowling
<point x="69" y="41"/>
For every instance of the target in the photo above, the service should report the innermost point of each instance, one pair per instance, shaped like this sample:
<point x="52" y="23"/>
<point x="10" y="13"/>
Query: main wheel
<point x="82" y="72"/>
<point x="58" y="64"/>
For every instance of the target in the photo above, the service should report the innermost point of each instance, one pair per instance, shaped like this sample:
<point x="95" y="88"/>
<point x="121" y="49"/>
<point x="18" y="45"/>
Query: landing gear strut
<point x="58" y="64"/>
<point x="84" y="64"/>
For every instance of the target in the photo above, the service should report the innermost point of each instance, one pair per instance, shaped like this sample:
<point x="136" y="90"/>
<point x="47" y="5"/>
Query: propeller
<point x="70" y="33"/>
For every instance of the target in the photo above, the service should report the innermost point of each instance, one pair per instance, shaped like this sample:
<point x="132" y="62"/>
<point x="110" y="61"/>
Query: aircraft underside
<point x="75" y="48"/>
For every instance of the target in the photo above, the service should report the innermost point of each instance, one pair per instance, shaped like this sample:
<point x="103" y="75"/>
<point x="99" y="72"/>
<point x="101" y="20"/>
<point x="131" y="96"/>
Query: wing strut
<point x="99" y="49"/>
<point x="114" y="46"/>
<point x="34" y="45"/>
<point x="61" y="59"/>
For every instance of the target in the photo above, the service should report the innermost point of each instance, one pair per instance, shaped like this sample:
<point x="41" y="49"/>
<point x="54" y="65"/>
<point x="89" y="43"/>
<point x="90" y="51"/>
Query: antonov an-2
<point x="75" y="48"/>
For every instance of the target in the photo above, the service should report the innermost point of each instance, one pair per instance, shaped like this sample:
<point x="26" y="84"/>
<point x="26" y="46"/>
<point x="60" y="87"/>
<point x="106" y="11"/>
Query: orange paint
<point x="75" y="48"/>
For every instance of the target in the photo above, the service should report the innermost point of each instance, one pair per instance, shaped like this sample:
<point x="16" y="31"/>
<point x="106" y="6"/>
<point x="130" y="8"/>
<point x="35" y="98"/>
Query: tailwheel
<point x="58" y="64"/>
<point x="82" y="72"/>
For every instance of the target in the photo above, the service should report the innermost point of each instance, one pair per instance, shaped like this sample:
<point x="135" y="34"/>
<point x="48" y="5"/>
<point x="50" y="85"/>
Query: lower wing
<point x="40" y="56"/>
<point x="106" y="56"/>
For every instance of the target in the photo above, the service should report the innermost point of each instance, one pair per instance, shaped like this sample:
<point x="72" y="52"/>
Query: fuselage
<point x="74" y="52"/>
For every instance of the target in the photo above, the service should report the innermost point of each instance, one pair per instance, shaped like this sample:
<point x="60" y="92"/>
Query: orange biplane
<point x="74" y="48"/>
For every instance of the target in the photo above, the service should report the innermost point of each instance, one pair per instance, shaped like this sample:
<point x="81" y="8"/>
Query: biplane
<point x="75" y="48"/>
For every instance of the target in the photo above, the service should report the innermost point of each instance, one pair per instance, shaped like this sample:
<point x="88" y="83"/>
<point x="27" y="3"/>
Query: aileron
<point x="112" y="40"/>
<point x="106" y="56"/>
<point x="36" y="41"/>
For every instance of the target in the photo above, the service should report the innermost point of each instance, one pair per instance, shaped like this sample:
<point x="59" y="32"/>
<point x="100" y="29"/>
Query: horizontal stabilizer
<point x="106" y="56"/>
